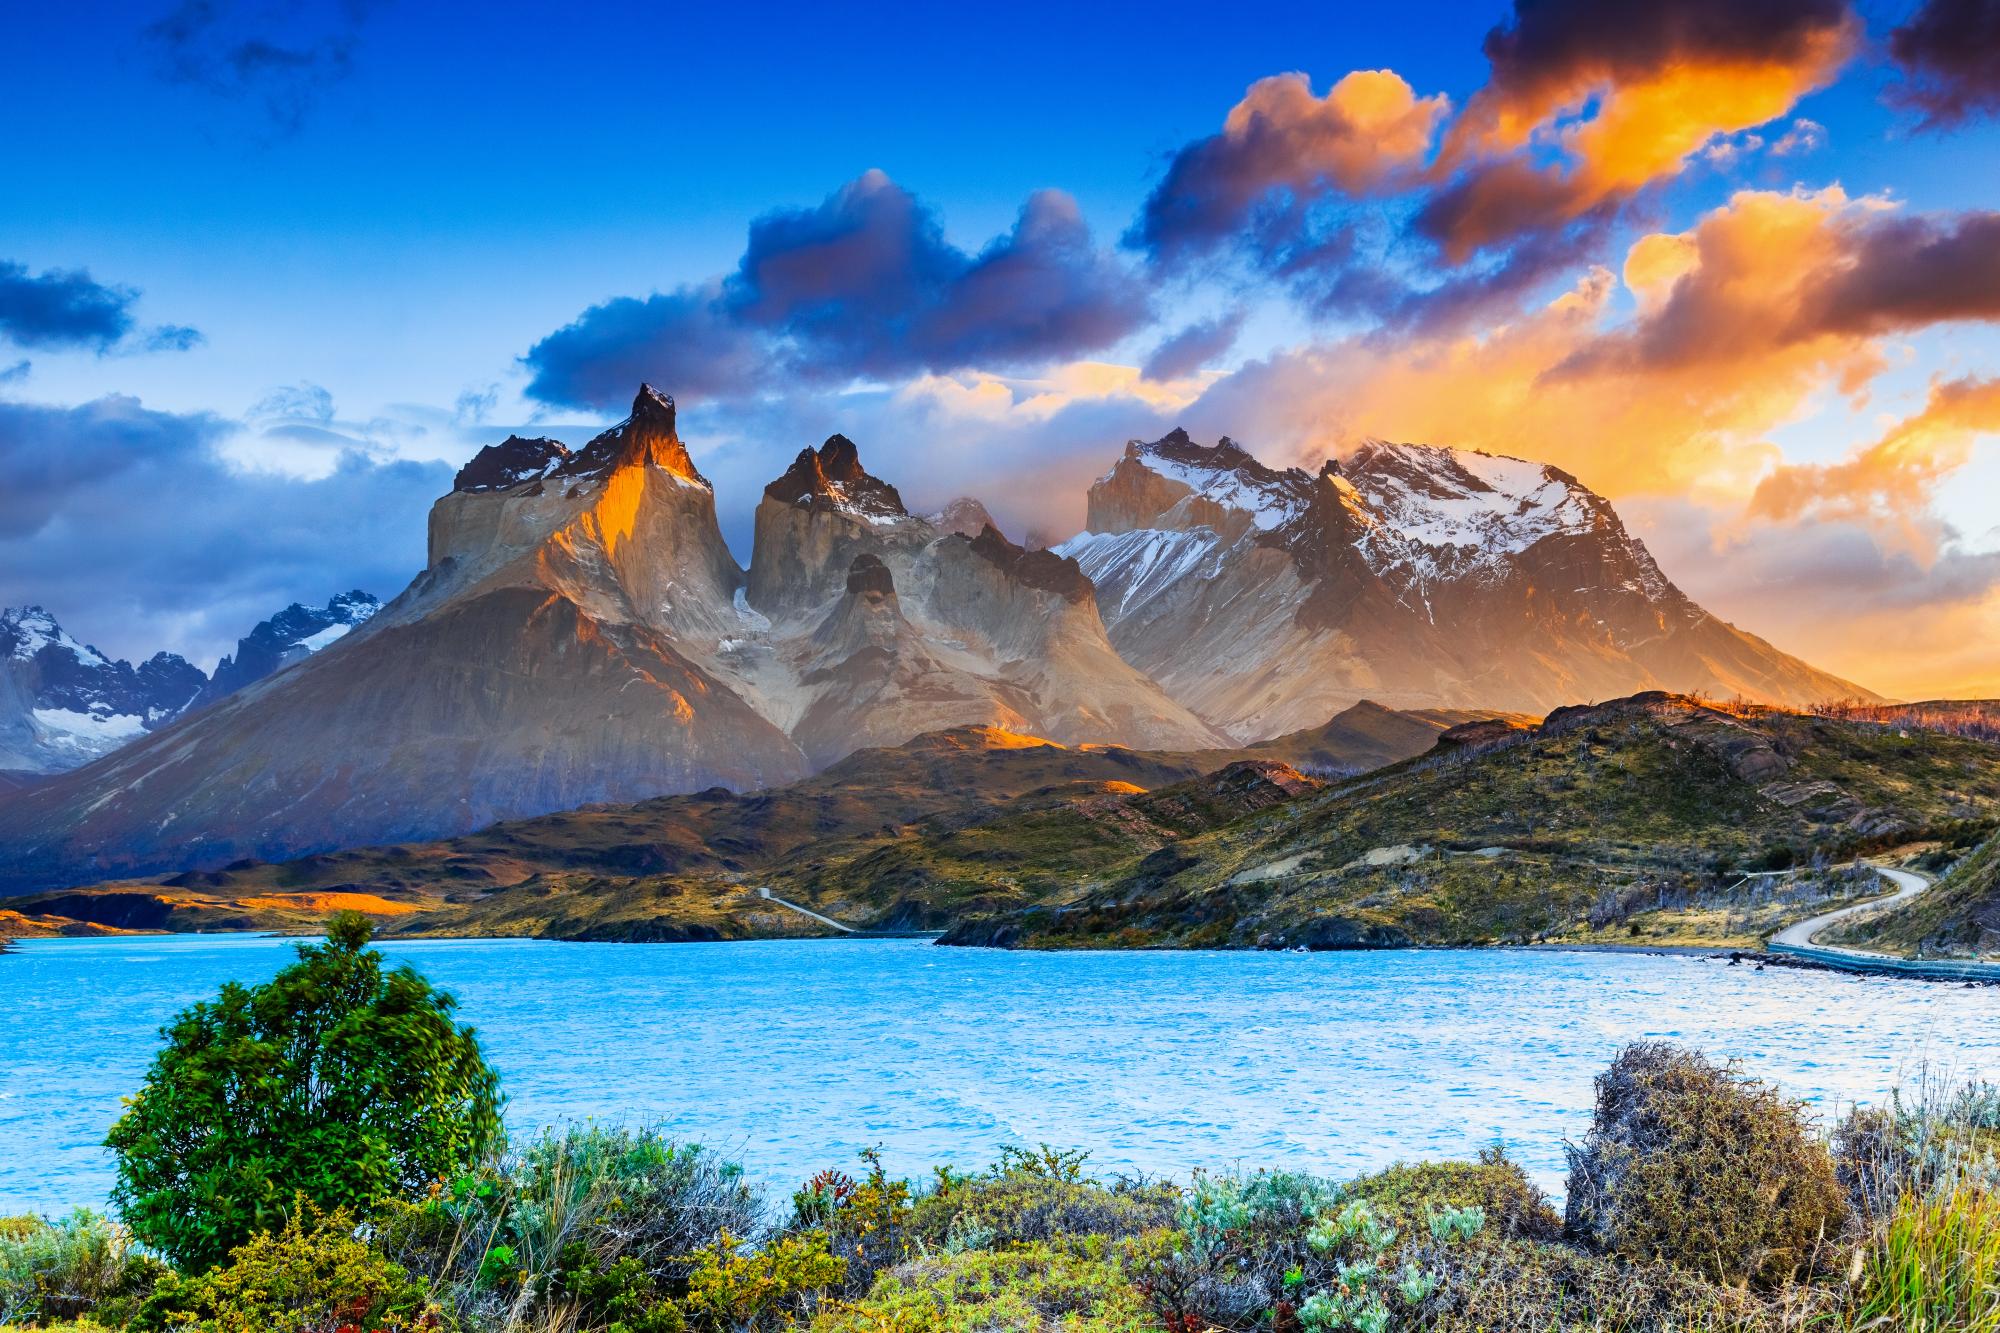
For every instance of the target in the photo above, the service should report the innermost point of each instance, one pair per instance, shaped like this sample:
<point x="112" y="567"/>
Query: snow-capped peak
<point x="1223" y="475"/>
<point x="832" y="477"/>
<point x="1487" y="503"/>
<point x="27" y="630"/>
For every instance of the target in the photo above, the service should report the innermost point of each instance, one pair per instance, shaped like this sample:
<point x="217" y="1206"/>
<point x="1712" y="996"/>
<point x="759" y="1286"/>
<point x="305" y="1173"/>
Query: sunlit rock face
<point x="1268" y="599"/>
<point x="556" y="651"/>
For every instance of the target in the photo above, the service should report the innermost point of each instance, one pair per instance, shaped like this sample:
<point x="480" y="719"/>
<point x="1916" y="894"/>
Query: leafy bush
<point x="1242" y="1249"/>
<point x="1691" y="1163"/>
<point x="83" y="1264"/>
<point x="1031" y="1287"/>
<point x="607" y="1223"/>
<point x="314" y="1276"/>
<point x="1034" y="1197"/>
<point x="334" y="1080"/>
<point x="1408" y="1197"/>
<point x="733" y="1289"/>
<point x="869" y="1221"/>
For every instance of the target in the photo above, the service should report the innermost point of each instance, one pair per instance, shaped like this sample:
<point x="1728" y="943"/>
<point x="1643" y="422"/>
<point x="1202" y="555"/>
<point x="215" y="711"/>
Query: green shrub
<point x="1408" y="1197"/>
<point x="314" y="1276"/>
<point x="83" y="1264"/>
<point x="334" y="1080"/>
<point x="1247" y="1248"/>
<point x="1690" y="1163"/>
<point x="1028" y="1197"/>
<point x="734" y="1289"/>
<point x="608" y="1223"/>
<point x="869" y="1221"/>
<point x="1031" y="1288"/>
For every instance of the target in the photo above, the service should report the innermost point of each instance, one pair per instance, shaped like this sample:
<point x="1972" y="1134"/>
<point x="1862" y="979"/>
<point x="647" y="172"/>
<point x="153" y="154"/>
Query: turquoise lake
<point x="792" y="1056"/>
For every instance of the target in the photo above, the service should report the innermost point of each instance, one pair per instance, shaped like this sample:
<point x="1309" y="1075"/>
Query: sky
<point x="269" y="272"/>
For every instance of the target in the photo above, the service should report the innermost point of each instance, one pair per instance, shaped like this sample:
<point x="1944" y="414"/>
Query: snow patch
<point x="312" y="643"/>
<point x="92" y="732"/>
<point x="1138" y="566"/>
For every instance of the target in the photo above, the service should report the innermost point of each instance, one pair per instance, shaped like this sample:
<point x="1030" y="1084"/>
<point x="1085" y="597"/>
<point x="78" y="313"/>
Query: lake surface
<point x="793" y="1055"/>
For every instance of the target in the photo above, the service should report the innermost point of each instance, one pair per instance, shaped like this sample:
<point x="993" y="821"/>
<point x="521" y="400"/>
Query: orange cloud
<point x="1893" y="480"/>
<point x="1622" y="95"/>
<point x="1281" y="148"/>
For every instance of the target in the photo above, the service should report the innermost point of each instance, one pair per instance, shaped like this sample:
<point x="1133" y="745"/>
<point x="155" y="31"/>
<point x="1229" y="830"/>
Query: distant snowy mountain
<point x="294" y="634"/>
<point x="1268" y="599"/>
<point x="64" y="703"/>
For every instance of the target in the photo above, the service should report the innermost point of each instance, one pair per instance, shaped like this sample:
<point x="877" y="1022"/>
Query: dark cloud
<point x="280" y="56"/>
<point x="133" y="528"/>
<point x="1501" y="202"/>
<point x="62" y="309"/>
<point x="1552" y="46"/>
<point x="863" y="286"/>
<point x="1949" y="52"/>
<point x="67" y="309"/>
<point x="1193" y="347"/>
<point x="1904" y="272"/>
<point x="685" y="339"/>
<point x="1280" y="152"/>
<point x="1772" y="272"/>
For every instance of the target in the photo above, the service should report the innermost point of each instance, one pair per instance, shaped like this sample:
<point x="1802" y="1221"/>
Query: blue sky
<point x="415" y="196"/>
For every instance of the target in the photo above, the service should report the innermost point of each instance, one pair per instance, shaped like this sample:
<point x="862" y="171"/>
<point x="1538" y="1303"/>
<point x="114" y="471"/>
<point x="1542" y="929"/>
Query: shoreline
<point x="1919" y="970"/>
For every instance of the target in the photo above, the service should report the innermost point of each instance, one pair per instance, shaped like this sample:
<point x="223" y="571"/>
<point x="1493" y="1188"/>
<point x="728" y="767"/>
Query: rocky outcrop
<point x="813" y="522"/>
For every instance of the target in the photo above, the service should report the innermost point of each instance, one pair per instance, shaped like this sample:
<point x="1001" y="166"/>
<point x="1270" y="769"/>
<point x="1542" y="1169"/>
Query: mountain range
<point x="64" y="703"/>
<point x="582" y="633"/>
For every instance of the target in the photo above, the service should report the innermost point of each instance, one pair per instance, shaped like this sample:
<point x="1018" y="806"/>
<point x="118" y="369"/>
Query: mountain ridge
<point x="581" y="633"/>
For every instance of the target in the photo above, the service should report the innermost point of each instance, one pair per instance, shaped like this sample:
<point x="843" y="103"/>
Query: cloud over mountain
<point x="133" y="526"/>
<point x="864" y="285"/>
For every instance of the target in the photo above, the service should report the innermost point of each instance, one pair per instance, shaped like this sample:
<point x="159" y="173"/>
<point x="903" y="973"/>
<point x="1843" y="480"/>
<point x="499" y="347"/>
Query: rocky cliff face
<point x="1266" y="600"/>
<point x="556" y="651"/>
<point x="881" y="625"/>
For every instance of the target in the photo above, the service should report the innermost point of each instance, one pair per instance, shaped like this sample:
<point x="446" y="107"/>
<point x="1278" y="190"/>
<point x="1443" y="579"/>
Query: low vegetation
<point x="1698" y="1199"/>
<point x="1647" y="812"/>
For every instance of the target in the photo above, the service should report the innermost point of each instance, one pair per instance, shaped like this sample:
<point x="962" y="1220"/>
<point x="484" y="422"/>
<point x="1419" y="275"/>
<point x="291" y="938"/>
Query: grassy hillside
<point x="1960" y="916"/>
<point x="685" y="867"/>
<point x="1039" y="847"/>
<point x="1596" y="817"/>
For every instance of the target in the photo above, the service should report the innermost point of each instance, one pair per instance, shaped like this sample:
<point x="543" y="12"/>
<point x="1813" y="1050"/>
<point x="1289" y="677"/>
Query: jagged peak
<point x="27" y="630"/>
<point x="648" y="436"/>
<point x="1223" y="474"/>
<point x="1042" y="569"/>
<point x="515" y="461"/>
<point x="832" y="477"/>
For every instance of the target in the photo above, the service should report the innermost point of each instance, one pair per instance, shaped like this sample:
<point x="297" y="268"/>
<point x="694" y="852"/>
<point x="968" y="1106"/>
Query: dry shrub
<point x="1691" y="1163"/>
